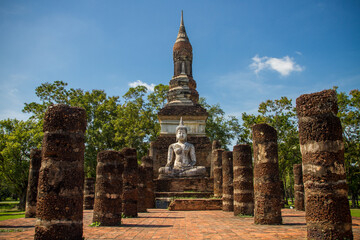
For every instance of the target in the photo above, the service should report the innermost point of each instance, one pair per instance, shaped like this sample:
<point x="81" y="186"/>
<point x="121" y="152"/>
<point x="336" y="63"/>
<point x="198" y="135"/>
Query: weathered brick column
<point x="59" y="209"/>
<point x="298" y="187"/>
<point x="218" y="178"/>
<point x="108" y="188"/>
<point x="215" y="145"/>
<point x="243" y="180"/>
<point x="147" y="165"/>
<point x="266" y="176"/>
<point x="146" y="185"/>
<point x="227" y="173"/>
<point x="327" y="207"/>
<point x="31" y="194"/>
<point x="130" y="182"/>
<point x="89" y="193"/>
<point x="141" y="190"/>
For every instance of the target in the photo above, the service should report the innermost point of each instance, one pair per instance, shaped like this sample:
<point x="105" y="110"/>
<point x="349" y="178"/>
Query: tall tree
<point x="16" y="140"/>
<point x="349" y="114"/>
<point x="225" y="129"/>
<point x="281" y="115"/>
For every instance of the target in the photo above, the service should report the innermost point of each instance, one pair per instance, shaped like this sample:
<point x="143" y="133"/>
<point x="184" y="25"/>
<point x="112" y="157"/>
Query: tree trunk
<point x="22" y="202"/>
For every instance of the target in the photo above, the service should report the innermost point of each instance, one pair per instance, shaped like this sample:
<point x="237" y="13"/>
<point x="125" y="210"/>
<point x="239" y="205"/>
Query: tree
<point x="220" y="127"/>
<point x="137" y="122"/>
<point x="281" y="115"/>
<point x="110" y="124"/>
<point x="349" y="114"/>
<point x="16" y="140"/>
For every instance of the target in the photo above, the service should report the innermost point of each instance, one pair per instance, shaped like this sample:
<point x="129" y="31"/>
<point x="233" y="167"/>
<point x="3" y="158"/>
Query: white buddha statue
<point x="181" y="158"/>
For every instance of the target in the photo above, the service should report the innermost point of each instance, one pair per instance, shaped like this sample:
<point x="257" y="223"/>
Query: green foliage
<point x="221" y="127"/>
<point x="281" y="115"/>
<point x="17" y="138"/>
<point x="349" y="114"/>
<point x="110" y="124"/>
<point x="95" y="224"/>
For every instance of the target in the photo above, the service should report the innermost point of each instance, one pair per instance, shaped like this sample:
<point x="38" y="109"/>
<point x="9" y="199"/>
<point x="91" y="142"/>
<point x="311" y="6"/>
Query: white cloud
<point x="140" y="83"/>
<point x="284" y="65"/>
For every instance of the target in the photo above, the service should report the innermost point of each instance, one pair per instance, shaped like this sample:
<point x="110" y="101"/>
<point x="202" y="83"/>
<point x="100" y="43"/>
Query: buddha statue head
<point x="181" y="132"/>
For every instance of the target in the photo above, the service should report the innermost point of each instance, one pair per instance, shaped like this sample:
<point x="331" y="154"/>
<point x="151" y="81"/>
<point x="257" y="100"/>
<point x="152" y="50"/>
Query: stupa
<point x="182" y="102"/>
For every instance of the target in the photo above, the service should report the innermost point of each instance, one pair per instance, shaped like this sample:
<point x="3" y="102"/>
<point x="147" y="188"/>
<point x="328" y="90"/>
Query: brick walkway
<point x="164" y="224"/>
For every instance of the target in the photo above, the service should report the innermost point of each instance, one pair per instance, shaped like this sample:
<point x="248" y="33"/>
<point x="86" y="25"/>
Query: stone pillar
<point x="130" y="182"/>
<point x="89" y="193"/>
<point x="327" y="207"/>
<point x="141" y="190"/>
<point x="298" y="187"/>
<point x="31" y="194"/>
<point x="218" y="177"/>
<point x="243" y="180"/>
<point x="108" y="188"/>
<point x="227" y="172"/>
<point x="215" y="145"/>
<point x="59" y="209"/>
<point x="147" y="165"/>
<point x="266" y="176"/>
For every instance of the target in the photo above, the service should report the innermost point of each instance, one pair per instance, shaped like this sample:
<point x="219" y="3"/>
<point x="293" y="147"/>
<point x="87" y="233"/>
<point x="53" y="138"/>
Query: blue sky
<point x="245" y="52"/>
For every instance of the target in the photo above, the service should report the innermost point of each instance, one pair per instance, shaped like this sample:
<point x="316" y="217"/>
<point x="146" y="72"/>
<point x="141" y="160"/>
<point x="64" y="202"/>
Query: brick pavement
<point x="164" y="224"/>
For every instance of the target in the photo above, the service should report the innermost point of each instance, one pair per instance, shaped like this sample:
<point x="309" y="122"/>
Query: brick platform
<point x="164" y="224"/>
<point x="195" y="204"/>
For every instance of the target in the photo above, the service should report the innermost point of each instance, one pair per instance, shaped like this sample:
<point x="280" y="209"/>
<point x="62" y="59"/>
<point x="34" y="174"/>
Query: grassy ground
<point x="355" y="212"/>
<point x="8" y="210"/>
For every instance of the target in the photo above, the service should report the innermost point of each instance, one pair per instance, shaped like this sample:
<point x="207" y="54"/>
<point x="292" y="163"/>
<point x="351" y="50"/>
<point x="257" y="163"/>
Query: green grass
<point x="11" y="214"/>
<point x="8" y="210"/>
<point x="355" y="212"/>
<point x="7" y="205"/>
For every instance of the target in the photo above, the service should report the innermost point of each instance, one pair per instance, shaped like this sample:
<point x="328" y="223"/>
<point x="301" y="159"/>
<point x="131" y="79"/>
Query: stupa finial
<point x="182" y="36"/>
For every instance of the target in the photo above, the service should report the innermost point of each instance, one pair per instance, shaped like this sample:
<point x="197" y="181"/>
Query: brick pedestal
<point x="266" y="176"/>
<point x="243" y="180"/>
<point x="31" y="195"/>
<point x="327" y="207"/>
<point x="61" y="179"/>
<point x="227" y="172"/>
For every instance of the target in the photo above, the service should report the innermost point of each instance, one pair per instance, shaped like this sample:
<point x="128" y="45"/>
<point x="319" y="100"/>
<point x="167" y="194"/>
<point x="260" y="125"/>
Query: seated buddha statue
<point x="181" y="158"/>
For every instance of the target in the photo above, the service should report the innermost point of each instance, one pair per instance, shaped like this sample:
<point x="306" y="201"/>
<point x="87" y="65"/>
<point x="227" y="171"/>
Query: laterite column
<point x="218" y="175"/>
<point x="141" y="190"/>
<point x="130" y="182"/>
<point x="298" y="187"/>
<point x="326" y="192"/>
<point x="215" y="145"/>
<point x="89" y="193"/>
<point x="243" y="180"/>
<point x="108" y="188"/>
<point x="147" y="165"/>
<point x="227" y="172"/>
<point x="59" y="209"/>
<point x="31" y="194"/>
<point x="266" y="176"/>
